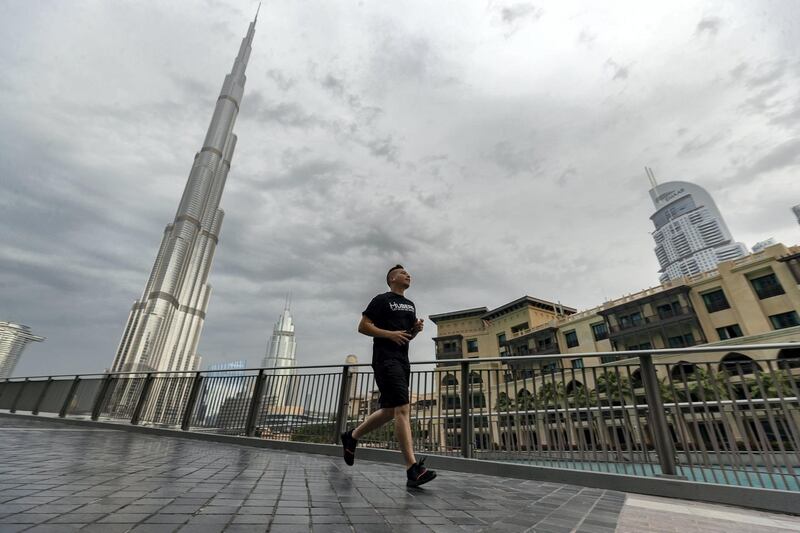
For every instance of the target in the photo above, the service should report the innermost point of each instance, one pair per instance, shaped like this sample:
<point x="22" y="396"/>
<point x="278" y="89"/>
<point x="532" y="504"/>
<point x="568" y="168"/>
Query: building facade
<point x="13" y="340"/>
<point x="280" y="362"/>
<point x="690" y="233"/>
<point x="751" y="300"/>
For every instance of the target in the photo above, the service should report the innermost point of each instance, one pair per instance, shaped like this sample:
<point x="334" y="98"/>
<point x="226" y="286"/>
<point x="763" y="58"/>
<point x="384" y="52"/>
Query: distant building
<point x="223" y="382"/>
<point x="280" y="360"/>
<point x="796" y="211"/>
<point x="750" y="300"/>
<point x="690" y="234"/>
<point x="13" y="339"/>
<point x="761" y="245"/>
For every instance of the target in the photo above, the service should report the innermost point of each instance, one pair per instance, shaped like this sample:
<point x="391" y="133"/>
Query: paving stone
<point x="164" y="484"/>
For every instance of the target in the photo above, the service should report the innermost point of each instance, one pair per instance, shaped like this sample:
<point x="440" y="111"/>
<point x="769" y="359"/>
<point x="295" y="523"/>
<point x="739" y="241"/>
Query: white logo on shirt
<point x="394" y="306"/>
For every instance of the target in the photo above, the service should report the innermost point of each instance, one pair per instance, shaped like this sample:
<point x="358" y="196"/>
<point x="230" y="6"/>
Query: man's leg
<point x="402" y="431"/>
<point x="373" y="421"/>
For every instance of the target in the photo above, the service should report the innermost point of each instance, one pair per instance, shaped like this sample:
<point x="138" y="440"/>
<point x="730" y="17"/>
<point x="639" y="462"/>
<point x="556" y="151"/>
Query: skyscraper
<point x="796" y="211"/>
<point x="164" y="325"/>
<point x="280" y="356"/>
<point x="690" y="234"/>
<point x="13" y="339"/>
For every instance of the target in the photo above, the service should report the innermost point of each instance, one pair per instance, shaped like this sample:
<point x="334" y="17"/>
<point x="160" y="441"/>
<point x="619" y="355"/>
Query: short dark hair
<point x="396" y="267"/>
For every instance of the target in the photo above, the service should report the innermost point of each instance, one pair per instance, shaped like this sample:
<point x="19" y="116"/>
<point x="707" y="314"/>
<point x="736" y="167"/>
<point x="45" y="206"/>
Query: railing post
<point x="190" y="403"/>
<point x="68" y="398"/>
<point x="466" y="412"/>
<point x="101" y="396"/>
<point x="255" y="404"/>
<point x="665" y="448"/>
<point x="344" y="401"/>
<point x="137" y="411"/>
<point x="16" y="398"/>
<point x="41" y="396"/>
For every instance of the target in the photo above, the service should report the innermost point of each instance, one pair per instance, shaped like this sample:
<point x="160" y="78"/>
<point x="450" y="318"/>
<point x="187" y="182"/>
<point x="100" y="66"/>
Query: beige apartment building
<point x="751" y="300"/>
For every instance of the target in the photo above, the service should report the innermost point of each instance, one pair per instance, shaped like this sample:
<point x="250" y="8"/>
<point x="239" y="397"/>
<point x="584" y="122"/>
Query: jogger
<point x="391" y="319"/>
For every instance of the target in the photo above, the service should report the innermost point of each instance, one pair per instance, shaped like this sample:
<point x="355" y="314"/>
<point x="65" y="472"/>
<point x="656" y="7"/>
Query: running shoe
<point x="349" y="447"/>
<point x="418" y="474"/>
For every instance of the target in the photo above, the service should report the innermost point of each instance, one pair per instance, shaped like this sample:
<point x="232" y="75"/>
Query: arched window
<point x="789" y="358"/>
<point x="573" y="385"/>
<point x="735" y="363"/>
<point x="475" y="378"/>
<point x="682" y="370"/>
<point x="449" y="380"/>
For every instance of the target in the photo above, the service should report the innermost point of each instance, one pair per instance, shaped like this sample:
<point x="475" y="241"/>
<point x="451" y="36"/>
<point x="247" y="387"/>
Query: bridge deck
<point x="65" y="478"/>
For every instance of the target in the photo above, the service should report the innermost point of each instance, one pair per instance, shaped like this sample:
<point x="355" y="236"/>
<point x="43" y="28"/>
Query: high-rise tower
<point x="280" y="356"/>
<point x="691" y="235"/>
<point x="796" y="211"/>
<point x="164" y="325"/>
<point x="13" y="339"/>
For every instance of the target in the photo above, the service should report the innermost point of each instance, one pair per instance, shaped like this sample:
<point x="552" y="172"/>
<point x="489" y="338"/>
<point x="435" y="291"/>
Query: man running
<point x="391" y="319"/>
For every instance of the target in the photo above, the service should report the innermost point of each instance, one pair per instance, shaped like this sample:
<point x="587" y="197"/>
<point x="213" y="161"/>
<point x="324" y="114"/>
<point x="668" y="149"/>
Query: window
<point x="519" y="327"/>
<point x="450" y="347"/>
<point x="609" y="358"/>
<point x="729" y="332"/>
<point x="600" y="331"/>
<point x="681" y="341"/>
<point x="643" y="346"/>
<point x="669" y="310"/>
<point x="715" y="301"/>
<point x="572" y="338"/>
<point x="577" y="363"/>
<point x="785" y="320"/>
<point x="472" y="345"/>
<point x="544" y="344"/>
<point x="767" y="286"/>
<point x="631" y="320"/>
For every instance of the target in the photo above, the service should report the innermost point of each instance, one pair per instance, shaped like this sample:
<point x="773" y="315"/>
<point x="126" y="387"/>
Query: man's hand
<point x="398" y="337"/>
<point x="418" y="326"/>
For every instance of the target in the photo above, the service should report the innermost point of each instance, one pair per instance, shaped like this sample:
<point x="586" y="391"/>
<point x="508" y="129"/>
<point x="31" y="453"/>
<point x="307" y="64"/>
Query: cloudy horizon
<point x="495" y="149"/>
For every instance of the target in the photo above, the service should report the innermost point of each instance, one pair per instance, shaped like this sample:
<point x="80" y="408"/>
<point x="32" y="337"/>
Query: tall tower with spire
<point x="280" y="356"/>
<point x="164" y="325"/>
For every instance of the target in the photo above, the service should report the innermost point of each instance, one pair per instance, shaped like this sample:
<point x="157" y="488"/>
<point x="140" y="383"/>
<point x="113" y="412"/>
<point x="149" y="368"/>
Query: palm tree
<point x="616" y="387"/>
<point x="582" y="397"/>
<point x="551" y="393"/>
<point x="707" y="385"/>
<point x="525" y="400"/>
<point x="504" y="403"/>
<point x="774" y="384"/>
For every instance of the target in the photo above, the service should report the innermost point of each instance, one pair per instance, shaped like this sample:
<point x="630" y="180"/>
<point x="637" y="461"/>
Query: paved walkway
<point x="57" y="478"/>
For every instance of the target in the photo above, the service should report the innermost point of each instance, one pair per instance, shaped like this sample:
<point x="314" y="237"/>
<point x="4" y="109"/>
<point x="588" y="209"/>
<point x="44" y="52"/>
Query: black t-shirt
<point x="391" y="312"/>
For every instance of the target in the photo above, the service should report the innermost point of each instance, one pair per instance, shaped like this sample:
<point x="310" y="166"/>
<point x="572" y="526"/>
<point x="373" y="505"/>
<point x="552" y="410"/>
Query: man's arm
<point x="368" y="328"/>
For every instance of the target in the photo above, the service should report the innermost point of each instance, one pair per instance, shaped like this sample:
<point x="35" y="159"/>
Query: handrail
<point x="472" y="360"/>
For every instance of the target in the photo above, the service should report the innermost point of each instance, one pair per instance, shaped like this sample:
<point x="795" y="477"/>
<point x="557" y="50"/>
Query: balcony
<point x="663" y="318"/>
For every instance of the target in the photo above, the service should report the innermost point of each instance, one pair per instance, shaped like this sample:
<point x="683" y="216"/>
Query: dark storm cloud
<point x="521" y="10"/>
<point x="368" y="137"/>
<point x="620" y="72"/>
<point x="782" y="156"/>
<point x="709" y="25"/>
<point x="283" y="81"/>
<point x="701" y="143"/>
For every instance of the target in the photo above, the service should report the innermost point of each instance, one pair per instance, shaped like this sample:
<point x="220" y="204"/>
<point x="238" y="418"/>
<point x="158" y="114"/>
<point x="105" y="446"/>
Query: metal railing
<point x="724" y="420"/>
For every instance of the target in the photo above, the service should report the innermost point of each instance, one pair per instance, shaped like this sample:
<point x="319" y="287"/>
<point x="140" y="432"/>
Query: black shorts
<point x="392" y="377"/>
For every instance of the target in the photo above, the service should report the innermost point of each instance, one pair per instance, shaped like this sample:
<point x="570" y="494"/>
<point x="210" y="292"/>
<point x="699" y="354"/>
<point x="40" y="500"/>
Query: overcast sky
<point x="495" y="149"/>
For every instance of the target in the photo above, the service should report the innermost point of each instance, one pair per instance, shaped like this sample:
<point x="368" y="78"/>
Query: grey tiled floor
<point x="57" y="478"/>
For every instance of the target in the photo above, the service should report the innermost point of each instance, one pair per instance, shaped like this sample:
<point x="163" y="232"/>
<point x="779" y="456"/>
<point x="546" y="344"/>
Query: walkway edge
<point x="763" y="499"/>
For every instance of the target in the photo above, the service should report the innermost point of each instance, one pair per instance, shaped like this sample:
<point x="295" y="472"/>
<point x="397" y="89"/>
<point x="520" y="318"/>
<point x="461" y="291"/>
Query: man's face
<point x="401" y="277"/>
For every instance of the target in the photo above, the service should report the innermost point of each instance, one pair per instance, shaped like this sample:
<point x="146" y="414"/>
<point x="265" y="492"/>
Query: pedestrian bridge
<point x="521" y="445"/>
<point x="66" y="475"/>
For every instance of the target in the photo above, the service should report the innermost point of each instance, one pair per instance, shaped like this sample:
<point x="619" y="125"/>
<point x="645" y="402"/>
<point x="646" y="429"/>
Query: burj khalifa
<point x="164" y="325"/>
